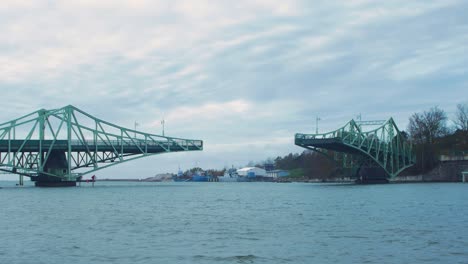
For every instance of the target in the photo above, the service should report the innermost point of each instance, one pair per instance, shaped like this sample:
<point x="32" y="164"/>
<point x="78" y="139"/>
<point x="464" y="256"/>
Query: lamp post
<point x="162" y="123"/>
<point x="136" y="124"/>
<point x="316" y="124"/>
<point x="359" y="118"/>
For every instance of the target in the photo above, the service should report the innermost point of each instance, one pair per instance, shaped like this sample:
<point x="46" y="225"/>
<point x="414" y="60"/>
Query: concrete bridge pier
<point x="56" y="164"/>
<point x="371" y="175"/>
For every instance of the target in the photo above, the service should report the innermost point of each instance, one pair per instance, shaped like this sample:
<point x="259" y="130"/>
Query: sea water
<point x="137" y="222"/>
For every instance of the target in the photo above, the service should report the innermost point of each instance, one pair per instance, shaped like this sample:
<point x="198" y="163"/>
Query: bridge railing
<point x="349" y="132"/>
<point x="127" y="143"/>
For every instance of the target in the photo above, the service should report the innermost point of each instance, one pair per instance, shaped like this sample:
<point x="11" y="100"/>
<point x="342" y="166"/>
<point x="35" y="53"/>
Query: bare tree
<point x="425" y="127"/>
<point x="461" y="120"/>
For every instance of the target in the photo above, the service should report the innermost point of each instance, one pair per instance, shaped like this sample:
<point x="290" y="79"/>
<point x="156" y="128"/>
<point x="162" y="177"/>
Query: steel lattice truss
<point x="384" y="146"/>
<point x="35" y="143"/>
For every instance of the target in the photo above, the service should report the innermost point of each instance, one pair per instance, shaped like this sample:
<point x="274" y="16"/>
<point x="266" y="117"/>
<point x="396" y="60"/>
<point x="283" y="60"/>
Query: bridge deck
<point x="78" y="146"/>
<point x="335" y="144"/>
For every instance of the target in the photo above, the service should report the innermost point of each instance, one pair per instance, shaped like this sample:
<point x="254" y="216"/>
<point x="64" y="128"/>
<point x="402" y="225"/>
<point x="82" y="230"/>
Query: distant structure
<point x="458" y="156"/>
<point x="376" y="155"/>
<point x="252" y="172"/>
<point x="57" y="147"/>
<point x="269" y="166"/>
<point x="278" y="173"/>
<point x="454" y="165"/>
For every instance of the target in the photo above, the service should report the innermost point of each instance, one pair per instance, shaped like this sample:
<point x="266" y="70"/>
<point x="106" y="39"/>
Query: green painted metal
<point x="384" y="146"/>
<point x="29" y="144"/>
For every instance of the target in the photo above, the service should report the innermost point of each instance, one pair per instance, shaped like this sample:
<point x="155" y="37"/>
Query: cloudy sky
<point x="242" y="75"/>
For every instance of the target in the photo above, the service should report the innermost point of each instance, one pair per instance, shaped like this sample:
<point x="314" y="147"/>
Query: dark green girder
<point x="384" y="146"/>
<point x="80" y="143"/>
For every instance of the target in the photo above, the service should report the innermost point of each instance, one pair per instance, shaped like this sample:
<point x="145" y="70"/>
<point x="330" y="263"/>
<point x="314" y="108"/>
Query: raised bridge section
<point x="62" y="145"/>
<point x="385" y="146"/>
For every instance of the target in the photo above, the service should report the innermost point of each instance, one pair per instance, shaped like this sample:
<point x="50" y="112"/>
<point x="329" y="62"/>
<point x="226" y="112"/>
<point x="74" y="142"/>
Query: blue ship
<point x="200" y="177"/>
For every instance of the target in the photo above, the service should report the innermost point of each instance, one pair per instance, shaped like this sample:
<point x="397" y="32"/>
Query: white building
<point x="252" y="172"/>
<point x="278" y="173"/>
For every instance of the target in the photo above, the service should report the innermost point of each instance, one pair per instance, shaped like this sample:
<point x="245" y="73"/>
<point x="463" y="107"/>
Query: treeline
<point x="433" y="135"/>
<point x="308" y="164"/>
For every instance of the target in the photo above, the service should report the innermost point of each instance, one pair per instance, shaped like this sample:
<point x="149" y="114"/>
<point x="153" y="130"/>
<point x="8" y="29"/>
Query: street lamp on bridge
<point x="136" y="124"/>
<point x="162" y="123"/>
<point x="316" y="124"/>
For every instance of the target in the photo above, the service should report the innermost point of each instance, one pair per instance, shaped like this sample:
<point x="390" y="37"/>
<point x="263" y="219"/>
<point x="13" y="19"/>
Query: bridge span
<point x="377" y="155"/>
<point x="57" y="147"/>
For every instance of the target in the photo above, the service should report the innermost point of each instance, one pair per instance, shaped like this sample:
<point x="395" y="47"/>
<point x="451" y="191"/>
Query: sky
<point x="243" y="76"/>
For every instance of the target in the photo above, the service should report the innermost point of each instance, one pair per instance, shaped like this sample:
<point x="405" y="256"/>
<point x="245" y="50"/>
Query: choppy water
<point x="234" y="223"/>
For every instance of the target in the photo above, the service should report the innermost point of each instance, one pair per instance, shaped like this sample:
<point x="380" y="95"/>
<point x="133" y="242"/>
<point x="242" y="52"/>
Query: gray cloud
<point x="244" y="77"/>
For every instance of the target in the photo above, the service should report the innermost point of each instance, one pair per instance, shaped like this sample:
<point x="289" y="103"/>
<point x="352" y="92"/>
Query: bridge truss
<point x="384" y="146"/>
<point x="64" y="144"/>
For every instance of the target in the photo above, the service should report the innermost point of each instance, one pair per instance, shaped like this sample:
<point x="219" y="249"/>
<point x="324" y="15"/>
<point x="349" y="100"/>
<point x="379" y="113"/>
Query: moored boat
<point x="180" y="177"/>
<point x="231" y="175"/>
<point x="200" y="176"/>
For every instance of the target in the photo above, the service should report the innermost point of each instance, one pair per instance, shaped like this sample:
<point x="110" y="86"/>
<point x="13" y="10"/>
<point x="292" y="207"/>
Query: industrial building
<point x="252" y="172"/>
<point x="278" y="173"/>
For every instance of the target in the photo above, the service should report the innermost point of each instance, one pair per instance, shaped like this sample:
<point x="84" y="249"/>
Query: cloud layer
<point x="243" y="76"/>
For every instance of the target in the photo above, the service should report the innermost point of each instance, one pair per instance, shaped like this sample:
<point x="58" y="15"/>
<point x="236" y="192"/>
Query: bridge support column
<point x="366" y="175"/>
<point x="55" y="172"/>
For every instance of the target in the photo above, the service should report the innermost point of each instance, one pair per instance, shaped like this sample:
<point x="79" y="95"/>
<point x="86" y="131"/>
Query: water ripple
<point x="237" y="223"/>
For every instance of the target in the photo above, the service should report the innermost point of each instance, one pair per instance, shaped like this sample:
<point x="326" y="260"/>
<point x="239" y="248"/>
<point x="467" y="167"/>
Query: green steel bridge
<point x="57" y="147"/>
<point x="385" y="148"/>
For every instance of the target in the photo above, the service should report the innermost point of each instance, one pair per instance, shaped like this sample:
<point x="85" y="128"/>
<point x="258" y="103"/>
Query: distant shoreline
<point x="123" y="180"/>
<point x="338" y="180"/>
